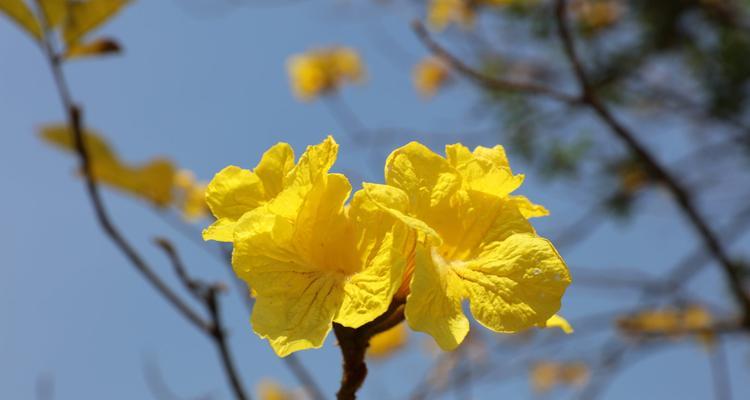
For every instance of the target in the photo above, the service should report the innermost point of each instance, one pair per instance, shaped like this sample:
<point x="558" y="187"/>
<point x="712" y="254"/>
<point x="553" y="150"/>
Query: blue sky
<point x="206" y="86"/>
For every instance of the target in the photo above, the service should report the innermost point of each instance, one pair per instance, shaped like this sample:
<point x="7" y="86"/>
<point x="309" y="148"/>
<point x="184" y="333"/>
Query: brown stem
<point x="354" y="343"/>
<point x="214" y="328"/>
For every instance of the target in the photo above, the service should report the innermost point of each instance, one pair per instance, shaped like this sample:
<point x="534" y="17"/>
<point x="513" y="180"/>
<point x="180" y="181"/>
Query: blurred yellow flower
<point x="546" y="375"/>
<point x="670" y="322"/>
<point x="271" y="390"/>
<point x="474" y="243"/>
<point x="322" y="71"/>
<point x="310" y="259"/>
<point x="151" y="181"/>
<point x="441" y="13"/>
<point x="190" y="195"/>
<point x="429" y="76"/>
<point x="386" y="343"/>
<point x="597" y="14"/>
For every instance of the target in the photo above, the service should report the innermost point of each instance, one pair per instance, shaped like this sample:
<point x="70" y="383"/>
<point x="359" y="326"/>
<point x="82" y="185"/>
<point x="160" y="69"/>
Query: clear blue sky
<point x="206" y="86"/>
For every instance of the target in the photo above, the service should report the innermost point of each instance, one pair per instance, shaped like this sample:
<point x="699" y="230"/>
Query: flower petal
<point x="395" y="202"/>
<point x="295" y="302"/>
<point x="322" y="234"/>
<point x="527" y="208"/>
<point x="382" y="243"/>
<point x="428" y="180"/>
<point x="274" y="166"/>
<point x="434" y="305"/>
<point x="230" y="194"/>
<point x="485" y="170"/>
<point x="516" y="283"/>
<point x="312" y="166"/>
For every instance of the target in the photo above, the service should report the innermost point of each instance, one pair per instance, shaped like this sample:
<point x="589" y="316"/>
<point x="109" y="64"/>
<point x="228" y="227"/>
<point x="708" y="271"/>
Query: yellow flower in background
<point x="593" y="14"/>
<point x="670" y="322"/>
<point x="321" y="71"/>
<point x="271" y="390"/>
<point x="386" y="343"/>
<point x="429" y="76"/>
<point x="190" y="196"/>
<point x="311" y="259"/>
<point x="442" y="13"/>
<point x="546" y="375"/>
<point x="152" y="181"/>
<point x="475" y="243"/>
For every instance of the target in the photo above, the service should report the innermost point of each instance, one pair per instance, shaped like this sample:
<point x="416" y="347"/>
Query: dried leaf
<point x="97" y="47"/>
<point x="20" y="13"/>
<point x="53" y="11"/>
<point x="83" y="17"/>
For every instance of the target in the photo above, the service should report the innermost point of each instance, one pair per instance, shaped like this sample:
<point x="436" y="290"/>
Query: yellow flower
<point x="191" y="195"/>
<point x="598" y="14"/>
<point x="442" y="13"/>
<point x="270" y="390"/>
<point x="670" y="322"/>
<point x="545" y="375"/>
<point x="322" y="71"/>
<point x="429" y="76"/>
<point x="311" y="260"/>
<point x="474" y="243"/>
<point x="151" y="181"/>
<point x="386" y="343"/>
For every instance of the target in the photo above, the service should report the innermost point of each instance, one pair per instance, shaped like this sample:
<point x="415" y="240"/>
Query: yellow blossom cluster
<point x="429" y="76"/>
<point x="545" y="375"/>
<point x="441" y="13"/>
<point x="439" y="232"/>
<point x="671" y="322"/>
<point x="597" y="14"/>
<point x="322" y="71"/>
<point x="157" y="181"/>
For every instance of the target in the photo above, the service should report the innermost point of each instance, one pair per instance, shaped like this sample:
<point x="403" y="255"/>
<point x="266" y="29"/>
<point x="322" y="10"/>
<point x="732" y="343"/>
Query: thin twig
<point x="214" y="329"/>
<point x="488" y="82"/>
<point x="680" y="194"/>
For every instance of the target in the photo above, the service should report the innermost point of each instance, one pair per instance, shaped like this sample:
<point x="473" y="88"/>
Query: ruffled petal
<point x="230" y="194"/>
<point x="434" y="305"/>
<point x="485" y="170"/>
<point x="527" y="208"/>
<point x="515" y="284"/>
<point x="382" y="243"/>
<point x="274" y="167"/>
<point x="425" y="177"/>
<point x="295" y="301"/>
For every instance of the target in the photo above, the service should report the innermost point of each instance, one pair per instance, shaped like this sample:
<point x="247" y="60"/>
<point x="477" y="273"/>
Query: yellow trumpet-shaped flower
<point x="321" y="71"/>
<point x="310" y="259"/>
<point x="475" y="243"/>
<point x="429" y="76"/>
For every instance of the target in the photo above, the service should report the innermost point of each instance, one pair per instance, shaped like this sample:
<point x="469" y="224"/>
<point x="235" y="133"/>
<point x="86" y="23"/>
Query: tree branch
<point x="682" y="197"/>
